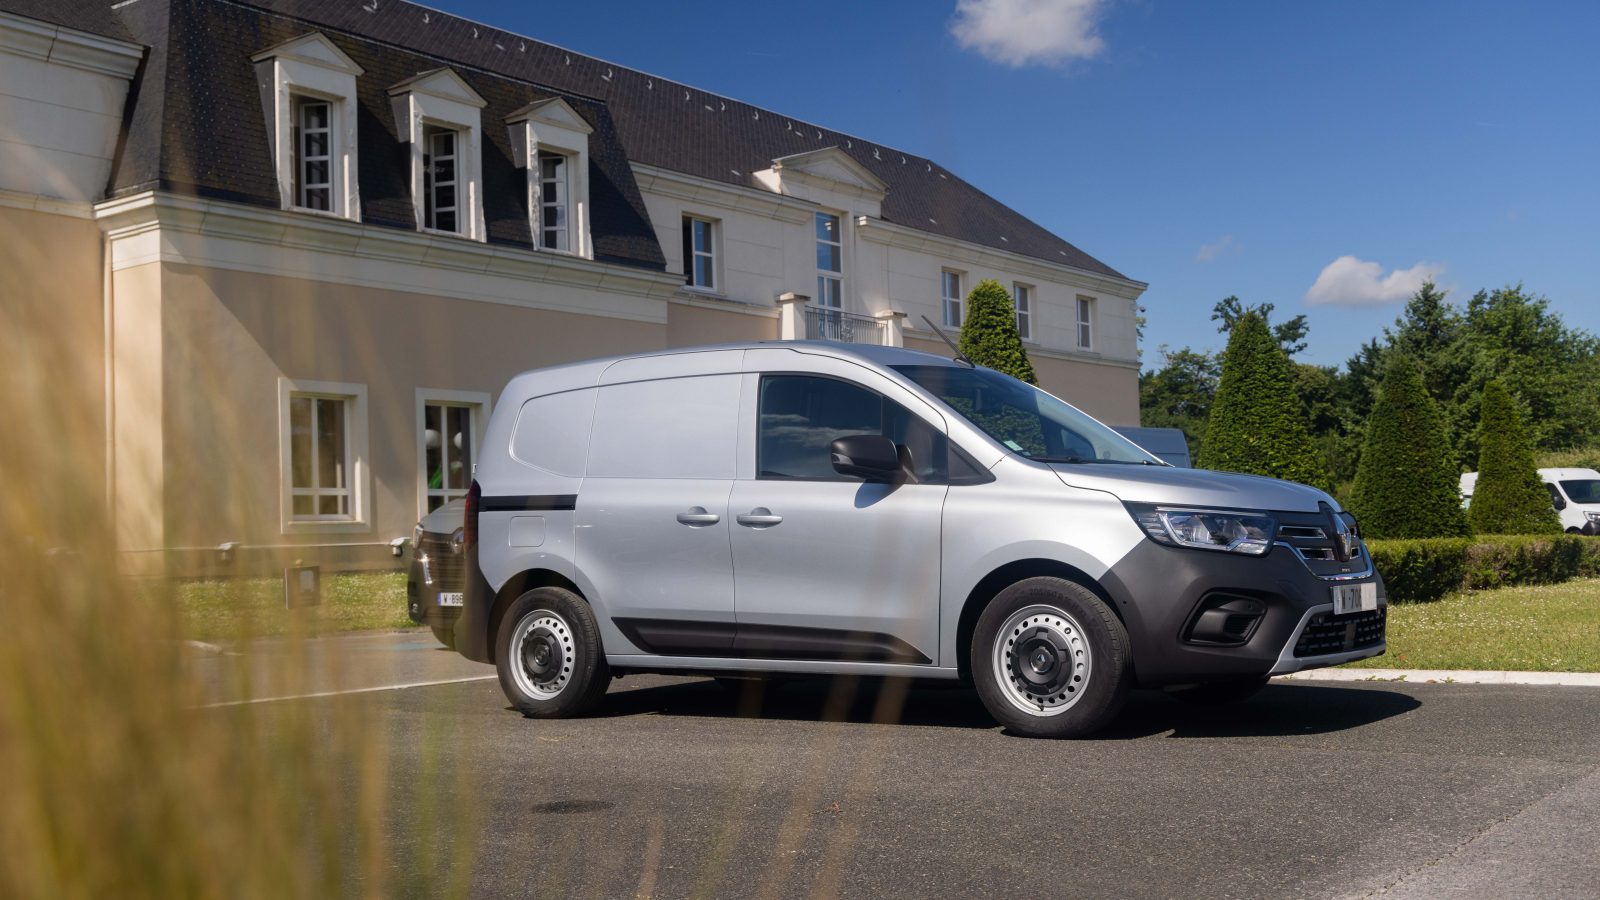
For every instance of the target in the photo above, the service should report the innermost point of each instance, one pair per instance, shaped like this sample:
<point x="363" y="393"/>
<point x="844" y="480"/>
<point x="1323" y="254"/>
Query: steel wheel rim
<point x="541" y="654"/>
<point x="1042" y="661"/>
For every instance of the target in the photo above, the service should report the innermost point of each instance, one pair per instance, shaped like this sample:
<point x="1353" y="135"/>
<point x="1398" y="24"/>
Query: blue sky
<point x="1206" y="148"/>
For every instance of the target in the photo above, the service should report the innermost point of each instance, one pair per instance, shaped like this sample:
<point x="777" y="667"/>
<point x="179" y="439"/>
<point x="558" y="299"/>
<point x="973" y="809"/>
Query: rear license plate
<point x="450" y="598"/>
<point x="1354" y="598"/>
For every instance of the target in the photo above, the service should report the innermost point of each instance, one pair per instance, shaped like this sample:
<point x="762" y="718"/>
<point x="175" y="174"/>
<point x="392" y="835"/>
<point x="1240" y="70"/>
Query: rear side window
<point x="553" y="432"/>
<point x="801" y="415"/>
<point x="669" y="428"/>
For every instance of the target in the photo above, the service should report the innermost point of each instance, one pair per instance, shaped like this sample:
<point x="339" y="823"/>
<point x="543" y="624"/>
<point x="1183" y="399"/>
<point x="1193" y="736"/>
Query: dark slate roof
<point x="215" y="140"/>
<point x="92" y="16"/>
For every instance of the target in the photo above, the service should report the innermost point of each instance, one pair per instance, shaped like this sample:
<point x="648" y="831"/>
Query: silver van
<point x="828" y="509"/>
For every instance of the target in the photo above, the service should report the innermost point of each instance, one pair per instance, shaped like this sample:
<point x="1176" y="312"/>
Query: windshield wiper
<point x="1064" y="459"/>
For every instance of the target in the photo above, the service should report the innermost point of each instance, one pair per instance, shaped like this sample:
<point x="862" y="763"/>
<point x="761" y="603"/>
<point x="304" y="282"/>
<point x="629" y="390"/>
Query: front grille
<point x="1327" y="633"/>
<point x="443" y="563"/>
<point x="1312" y="535"/>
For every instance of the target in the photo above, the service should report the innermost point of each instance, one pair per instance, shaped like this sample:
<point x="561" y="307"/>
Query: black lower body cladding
<point x="1162" y="592"/>
<point x="477" y="606"/>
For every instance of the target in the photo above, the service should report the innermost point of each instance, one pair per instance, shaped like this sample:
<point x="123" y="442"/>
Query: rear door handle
<point x="696" y="516"/>
<point x="760" y="517"/>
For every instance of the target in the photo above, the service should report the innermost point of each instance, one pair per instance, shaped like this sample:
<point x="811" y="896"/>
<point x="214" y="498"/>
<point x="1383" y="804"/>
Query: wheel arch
<point x="1003" y="577"/>
<point x="515" y="587"/>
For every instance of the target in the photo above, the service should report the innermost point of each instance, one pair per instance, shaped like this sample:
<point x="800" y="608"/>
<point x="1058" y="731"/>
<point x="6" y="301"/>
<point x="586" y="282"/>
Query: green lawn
<point x="1539" y="628"/>
<point x="253" y="607"/>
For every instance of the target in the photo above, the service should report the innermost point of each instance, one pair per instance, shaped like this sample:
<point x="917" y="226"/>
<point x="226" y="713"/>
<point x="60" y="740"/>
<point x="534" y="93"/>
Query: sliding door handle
<point x="696" y="516"/>
<point x="760" y="517"/>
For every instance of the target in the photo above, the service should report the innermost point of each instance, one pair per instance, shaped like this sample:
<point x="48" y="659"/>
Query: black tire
<point x="445" y="634"/>
<point x="1080" y="643"/>
<point x="1219" y="693"/>
<point x="549" y="657"/>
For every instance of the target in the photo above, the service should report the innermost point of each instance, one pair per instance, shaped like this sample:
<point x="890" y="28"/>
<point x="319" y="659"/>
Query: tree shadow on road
<point x="1279" y="710"/>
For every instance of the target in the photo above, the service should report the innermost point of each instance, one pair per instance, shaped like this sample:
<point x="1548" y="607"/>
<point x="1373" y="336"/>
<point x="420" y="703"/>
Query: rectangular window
<point x="313" y="154"/>
<point x="319" y="458"/>
<point x="830" y="262"/>
<point x="447" y="450"/>
<point x="441" y="177"/>
<point x="554" y="187"/>
<point x="801" y="415"/>
<point x="699" y="254"/>
<point x="1085" y="323"/>
<point x="950" y="291"/>
<point x="1022" y="299"/>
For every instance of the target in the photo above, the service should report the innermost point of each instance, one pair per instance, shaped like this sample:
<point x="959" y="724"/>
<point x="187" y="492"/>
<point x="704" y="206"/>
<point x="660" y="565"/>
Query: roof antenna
<point x="959" y="356"/>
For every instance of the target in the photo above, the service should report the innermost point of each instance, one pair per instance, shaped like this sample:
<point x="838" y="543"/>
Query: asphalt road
<point x="680" y="788"/>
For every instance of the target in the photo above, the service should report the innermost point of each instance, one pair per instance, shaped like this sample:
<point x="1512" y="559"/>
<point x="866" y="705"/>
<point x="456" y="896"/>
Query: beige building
<point x="277" y="258"/>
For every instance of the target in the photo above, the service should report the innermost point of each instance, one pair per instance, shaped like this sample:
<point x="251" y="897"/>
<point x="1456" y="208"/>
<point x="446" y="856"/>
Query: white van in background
<point x="1575" y="493"/>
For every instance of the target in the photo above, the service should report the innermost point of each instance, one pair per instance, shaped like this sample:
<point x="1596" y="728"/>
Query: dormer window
<point x="439" y="114"/>
<point x="308" y="95"/>
<point x="554" y="191"/>
<point x="440" y="173"/>
<point x="313" y="163"/>
<point x="551" y="142"/>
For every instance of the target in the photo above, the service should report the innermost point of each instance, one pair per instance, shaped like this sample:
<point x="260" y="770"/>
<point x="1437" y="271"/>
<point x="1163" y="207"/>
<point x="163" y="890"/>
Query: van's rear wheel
<point x="549" y="657"/>
<point x="1050" y="659"/>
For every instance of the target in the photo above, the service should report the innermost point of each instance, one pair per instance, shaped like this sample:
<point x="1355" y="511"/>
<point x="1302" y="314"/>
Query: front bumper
<point x="1161" y="593"/>
<point x="422" y="600"/>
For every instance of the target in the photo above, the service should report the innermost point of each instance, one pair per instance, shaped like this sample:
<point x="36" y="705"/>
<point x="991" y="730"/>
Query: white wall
<point x="61" y="96"/>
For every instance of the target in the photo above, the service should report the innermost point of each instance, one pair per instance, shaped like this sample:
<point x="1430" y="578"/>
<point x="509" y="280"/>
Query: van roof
<point x="871" y="353"/>
<point x="1567" y="474"/>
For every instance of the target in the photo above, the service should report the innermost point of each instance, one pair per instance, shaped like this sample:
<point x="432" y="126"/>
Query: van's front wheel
<point x="1050" y="659"/>
<point x="549" y="657"/>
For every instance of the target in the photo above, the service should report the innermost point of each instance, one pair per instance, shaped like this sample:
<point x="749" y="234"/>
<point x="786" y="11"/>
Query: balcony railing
<point x="828" y="324"/>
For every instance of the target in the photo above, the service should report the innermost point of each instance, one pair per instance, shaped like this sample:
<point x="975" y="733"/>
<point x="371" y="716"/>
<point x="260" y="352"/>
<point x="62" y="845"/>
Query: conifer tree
<point x="1509" y="497"/>
<point x="1257" y="424"/>
<point x="989" y="333"/>
<point x="1408" y="482"/>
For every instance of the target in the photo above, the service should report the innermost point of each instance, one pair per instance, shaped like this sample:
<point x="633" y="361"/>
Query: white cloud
<point x="1214" y="249"/>
<point x="1348" y="281"/>
<point x="1019" y="33"/>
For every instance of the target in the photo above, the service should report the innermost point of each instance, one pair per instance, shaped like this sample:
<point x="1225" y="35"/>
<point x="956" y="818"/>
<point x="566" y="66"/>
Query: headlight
<point x="1593" y="516"/>
<point x="1249" y="533"/>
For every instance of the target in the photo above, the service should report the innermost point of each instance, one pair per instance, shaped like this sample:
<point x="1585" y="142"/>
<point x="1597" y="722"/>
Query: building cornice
<point x="154" y="226"/>
<point x="39" y="203"/>
<point x="880" y="231"/>
<point x="757" y="201"/>
<point x="68" y="47"/>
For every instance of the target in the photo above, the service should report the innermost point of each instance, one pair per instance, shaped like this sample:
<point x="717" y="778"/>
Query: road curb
<point x="1449" y="676"/>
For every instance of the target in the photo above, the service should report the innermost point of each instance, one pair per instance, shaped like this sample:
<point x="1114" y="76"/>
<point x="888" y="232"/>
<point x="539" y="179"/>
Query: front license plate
<point x="1353" y="598"/>
<point x="450" y="598"/>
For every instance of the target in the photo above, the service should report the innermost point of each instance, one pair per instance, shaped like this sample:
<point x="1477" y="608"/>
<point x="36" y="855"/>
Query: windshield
<point x="1024" y="418"/>
<point x="1585" y="491"/>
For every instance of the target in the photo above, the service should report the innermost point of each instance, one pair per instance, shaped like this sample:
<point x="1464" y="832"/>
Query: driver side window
<point x="799" y="416"/>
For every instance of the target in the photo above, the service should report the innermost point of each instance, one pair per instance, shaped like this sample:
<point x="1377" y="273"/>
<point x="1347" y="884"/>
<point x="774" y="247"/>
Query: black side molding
<point x="675" y="637"/>
<point x="531" y="502"/>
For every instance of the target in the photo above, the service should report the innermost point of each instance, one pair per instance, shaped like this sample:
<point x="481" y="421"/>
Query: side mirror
<point x="871" y="457"/>
<point x="1561" y="502"/>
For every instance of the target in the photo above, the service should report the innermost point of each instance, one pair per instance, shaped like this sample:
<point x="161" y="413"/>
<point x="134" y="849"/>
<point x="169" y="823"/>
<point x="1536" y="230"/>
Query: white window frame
<point x="311" y="68"/>
<point x="824" y="276"/>
<point x="949" y="303"/>
<point x="442" y="99"/>
<point x="1083" y="317"/>
<point x="563" y="188"/>
<point x="478" y="402"/>
<point x="431" y="183"/>
<point x="299" y="104"/>
<point x="359" y="477"/>
<point x="1022" y="303"/>
<point x="713" y="255"/>
<point x="553" y="126"/>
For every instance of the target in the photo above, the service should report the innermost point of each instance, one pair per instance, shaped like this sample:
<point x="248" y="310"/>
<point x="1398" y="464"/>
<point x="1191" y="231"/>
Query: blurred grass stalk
<point x="118" y="782"/>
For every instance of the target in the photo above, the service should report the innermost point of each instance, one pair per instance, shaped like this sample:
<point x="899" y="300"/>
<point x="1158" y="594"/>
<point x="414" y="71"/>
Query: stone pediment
<point x="443" y="83"/>
<point x="554" y="111"/>
<point x="830" y="164"/>
<point x="313" y="48"/>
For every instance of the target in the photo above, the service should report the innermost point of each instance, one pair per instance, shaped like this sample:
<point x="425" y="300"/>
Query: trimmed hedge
<point x="1257" y="425"/>
<point x="1407" y="484"/>
<point x="989" y="333"/>
<point x="1417" y="571"/>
